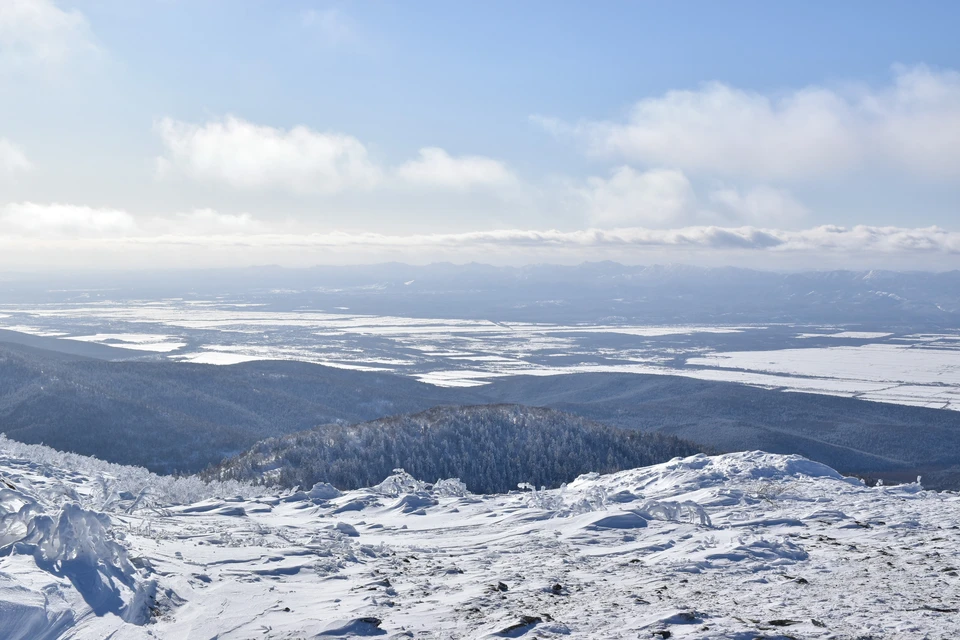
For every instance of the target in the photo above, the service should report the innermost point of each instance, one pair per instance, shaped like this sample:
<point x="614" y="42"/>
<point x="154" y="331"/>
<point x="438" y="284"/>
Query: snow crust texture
<point x="744" y="545"/>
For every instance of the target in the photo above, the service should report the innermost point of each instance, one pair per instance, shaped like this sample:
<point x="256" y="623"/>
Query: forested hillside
<point x="491" y="448"/>
<point x="169" y="416"/>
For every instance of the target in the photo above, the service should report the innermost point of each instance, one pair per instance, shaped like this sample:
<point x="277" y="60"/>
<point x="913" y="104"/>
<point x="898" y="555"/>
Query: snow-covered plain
<point x="137" y="341"/>
<point x="905" y="373"/>
<point x="745" y="545"/>
<point x="906" y="368"/>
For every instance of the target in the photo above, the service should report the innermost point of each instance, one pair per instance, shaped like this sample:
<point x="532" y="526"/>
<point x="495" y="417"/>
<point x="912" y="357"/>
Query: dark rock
<point x="518" y="629"/>
<point x="367" y="626"/>
<point x="930" y="607"/>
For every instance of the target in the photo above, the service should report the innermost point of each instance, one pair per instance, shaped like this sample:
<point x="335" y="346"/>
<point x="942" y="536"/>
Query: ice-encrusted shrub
<point x="116" y="478"/>
<point x="323" y="491"/>
<point x="77" y="543"/>
<point x="593" y="499"/>
<point x="543" y="498"/>
<point x="16" y="512"/>
<point x="75" y="535"/>
<point x="768" y="491"/>
<point x="400" y="483"/>
<point x="708" y="542"/>
<point x="686" y="511"/>
<point x="450" y="488"/>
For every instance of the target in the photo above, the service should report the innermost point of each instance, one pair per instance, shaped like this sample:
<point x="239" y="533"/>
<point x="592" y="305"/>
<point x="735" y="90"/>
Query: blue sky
<point x="216" y="132"/>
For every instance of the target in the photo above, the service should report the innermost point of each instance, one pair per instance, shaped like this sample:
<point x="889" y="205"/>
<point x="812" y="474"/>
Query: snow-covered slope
<point x="741" y="545"/>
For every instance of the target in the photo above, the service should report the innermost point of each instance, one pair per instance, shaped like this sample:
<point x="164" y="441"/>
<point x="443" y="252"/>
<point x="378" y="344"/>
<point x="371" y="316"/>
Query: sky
<point x="176" y="133"/>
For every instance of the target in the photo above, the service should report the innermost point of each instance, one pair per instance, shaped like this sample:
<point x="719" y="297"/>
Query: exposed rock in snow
<point x="734" y="546"/>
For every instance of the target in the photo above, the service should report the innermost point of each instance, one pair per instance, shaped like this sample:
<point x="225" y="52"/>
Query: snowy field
<point x="746" y="545"/>
<point x="910" y="371"/>
<point x="883" y="366"/>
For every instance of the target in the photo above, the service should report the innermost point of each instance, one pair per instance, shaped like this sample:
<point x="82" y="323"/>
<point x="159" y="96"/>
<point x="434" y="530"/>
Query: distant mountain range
<point x="170" y="416"/>
<point x="588" y="292"/>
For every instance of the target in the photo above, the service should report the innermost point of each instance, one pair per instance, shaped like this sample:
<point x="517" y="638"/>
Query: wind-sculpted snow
<point x="744" y="545"/>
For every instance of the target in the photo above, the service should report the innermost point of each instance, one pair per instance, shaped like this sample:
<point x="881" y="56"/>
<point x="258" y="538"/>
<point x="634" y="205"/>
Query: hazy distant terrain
<point x="883" y="336"/>
<point x="590" y="292"/>
<point x="703" y="354"/>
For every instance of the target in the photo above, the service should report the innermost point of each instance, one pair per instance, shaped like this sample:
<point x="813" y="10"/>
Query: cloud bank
<point x="819" y="239"/>
<point x="28" y="221"/>
<point x="912" y="125"/>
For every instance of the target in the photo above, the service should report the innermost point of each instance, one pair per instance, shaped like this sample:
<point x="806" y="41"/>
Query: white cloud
<point x="666" y="198"/>
<point x="244" y="155"/>
<point x="436" y="168"/>
<point x="918" y="122"/>
<point x="727" y="131"/>
<point x="759" y="205"/>
<point x="32" y="219"/>
<point x="37" y="32"/>
<point x="655" y="198"/>
<point x="12" y="158"/>
<point x="249" y="156"/>
<point x="913" y="125"/>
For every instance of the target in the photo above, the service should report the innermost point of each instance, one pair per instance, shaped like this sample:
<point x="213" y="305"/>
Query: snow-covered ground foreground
<point x="741" y="545"/>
